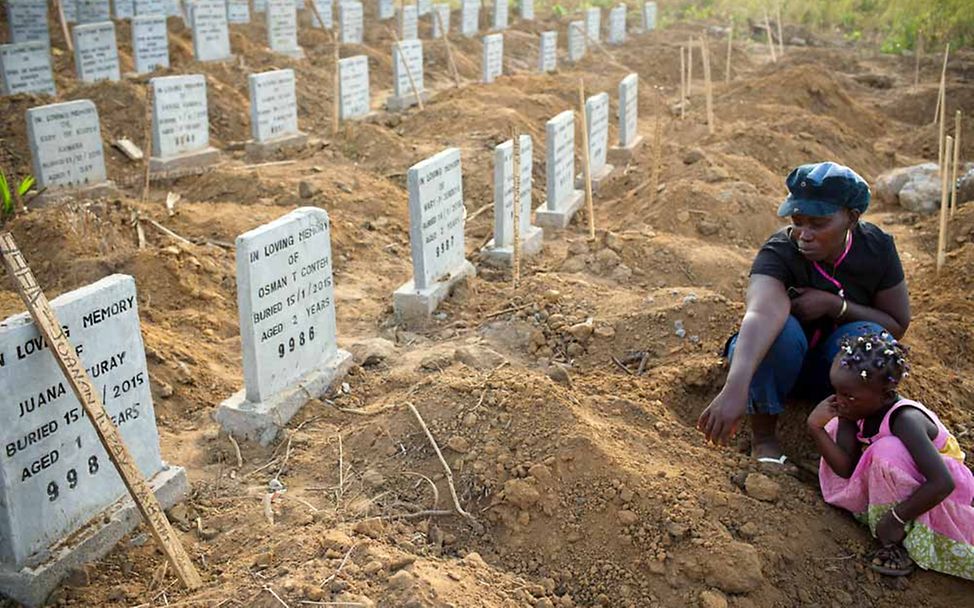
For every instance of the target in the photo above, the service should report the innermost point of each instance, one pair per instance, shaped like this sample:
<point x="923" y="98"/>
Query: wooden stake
<point x="944" y="202"/>
<point x="449" y="48"/>
<point x="148" y="140"/>
<point x="337" y="84"/>
<point x="917" y="52"/>
<point x="942" y="110"/>
<point x="955" y="162"/>
<point x="64" y="26"/>
<point x="943" y="86"/>
<point x="689" y="68"/>
<point x="657" y="157"/>
<point x="781" y="37"/>
<point x="409" y="72"/>
<point x="65" y="355"/>
<point x="683" y="83"/>
<point x="516" y="245"/>
<point x="708" y="85"/>
<point x="586" y="161"/>
<point x="730" y="48"/>
<point x="767" y="26"/>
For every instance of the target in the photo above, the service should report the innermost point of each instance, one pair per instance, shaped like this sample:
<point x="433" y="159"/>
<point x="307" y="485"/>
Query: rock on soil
<point x="712" y="599"/>
<point x="371" y="351"/>
<point x="762" y="487"/>
<point x="736" y="568"/>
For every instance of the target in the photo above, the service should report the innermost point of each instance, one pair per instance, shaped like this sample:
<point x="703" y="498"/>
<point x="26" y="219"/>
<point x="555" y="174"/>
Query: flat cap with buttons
<point x="821" y="189"/>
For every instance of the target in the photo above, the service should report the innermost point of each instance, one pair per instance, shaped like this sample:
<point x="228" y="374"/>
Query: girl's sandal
<point x="892" y="560"/>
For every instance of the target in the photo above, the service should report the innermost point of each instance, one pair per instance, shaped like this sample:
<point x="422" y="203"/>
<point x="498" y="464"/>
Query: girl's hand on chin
<point x="823" y="413"/>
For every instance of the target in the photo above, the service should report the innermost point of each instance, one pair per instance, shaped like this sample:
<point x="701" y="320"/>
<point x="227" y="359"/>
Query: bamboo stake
<point x="767" y="26"/>
<point x="943" y="86"/>
<point x="449" y="48"/>
<point x="586" y="161"/>
<point x="337" y="85"/>
<point x="708" y="85"/>
<point x="683" y="84"/>
<point x="942" y="111"/>
<point x="147" y="154"/>
<point x="64" y="26"/>
<point x="516" y="246"/>
<point x="67" y="359"/>
<point x="944" y="202"/>
<point x="657" y="158"/>
<point x="409" y="72"/>
<point x="955" y="162"/>
<point x="730" y="48"/>
<point x="917" y="52"/>
<point x="689" y="68"/>
<point x="781" y="38"/>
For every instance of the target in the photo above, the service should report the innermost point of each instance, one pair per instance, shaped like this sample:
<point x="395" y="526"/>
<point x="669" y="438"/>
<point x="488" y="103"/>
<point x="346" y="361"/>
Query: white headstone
<point x="617" y="25"/>
<point x="628" y="110"/>
<point x="26" y="68"/>
<point x="436" y="215"/>
<point x="211" y="37"/>
<point x="180" y="123"/>
<point x="500" y="14"/>
<point x="412" y="55"/>
<point x="560" y="165"/>
<point x="387" y="9"/>
<point x="548" y="53"/>
<point x="151" y="7"/>
<point x="238" y="11"/>
<point x="174" y="8"/>
<point x="93" y="11"/>
<point x="273" y="105"/>
<point x="57" y="474"/>
<point x="286" y="300"/>
<point x="504" y="190"/>
<point x="260" y="6"/>
<point x="597" y="118"/>
<point x="350" y="18"/>
<point x="441" y="14"/>
<point x="27" y="20"/>
<point x="649" y="16"/>
<point x="65" y="143"/>
<point x="576" y="41"/>
<point x="96" y="52"/>
<point x="282" y="27"/>
<point x="527" y="10"/>
<point x="469" y="17"/>
<point x="493" y="60"/>
<point x="353" y="82"/>
<point x="298" y="5"/>
<point x="150" y="43"/>
<point x="70" y="10"/>
<point x="325" y="10"/>
<point x="124" y="9"/>
<point x="423" y="7"/>
<point x="593" y="22"/>
<point x="408" y="23"/>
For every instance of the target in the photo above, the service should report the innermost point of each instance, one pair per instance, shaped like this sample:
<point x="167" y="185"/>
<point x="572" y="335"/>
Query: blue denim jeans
<point x="790" y="366"/>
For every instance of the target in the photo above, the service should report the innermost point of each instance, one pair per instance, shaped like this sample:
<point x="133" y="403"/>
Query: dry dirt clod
<point x="735" y="568"/>
<point x="762" y="487"/>
<point x="712" y="599"/>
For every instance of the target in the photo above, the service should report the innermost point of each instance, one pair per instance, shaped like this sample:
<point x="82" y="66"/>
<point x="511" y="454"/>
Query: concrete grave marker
<point x="387" y="9"/>
<point x="493" y="60"/>
<point x="96" y="52"/>
<point x="563" y="200"/>
<point x="423" y="7"/>
<point x="649" y="16"/>
<point x="93" y="11"/>
<point x="70" y="10"/>
<point x="62" y="503"/>
<point x="282" y="28"/>
<point x="124" y="9"/>
<point x="408" y="52"/>
<point x="548" y="53"/>
<point x="593" y="22"/>
<point x="408" y="23"/>
<point x="350" y="18"/>
<point x="180" y="124"/>
<point x="325" y="10"/>
<point x="353" y="82"/>
<point x="144" y="8"/>
<point x="469" y="17"/>
<point x="174" y="8"/>
<point x="617" y="25"/>
<point x="500" y="250"/>
<point x="238" y="11"/>
<point x="443" y="10"/>
<point x="576" y="41"/>
<point x="629" y="137"/>
<point x="273" y="113"/>
<point x="597" y="120"/>
<point x="26" y="68"/>
<point x="27" y="20"/>
<point x="65" y="144"/>
<point x="286" y="299"/>
<point x="527" y="10"/>
<point x="500" y="14"/>
<point x="436" y="215"/>
<point x="150" y="43"/>
<point x="211" y="36"/>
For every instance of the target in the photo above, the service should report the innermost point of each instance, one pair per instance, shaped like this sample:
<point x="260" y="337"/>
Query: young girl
<point x="890" y="462"/>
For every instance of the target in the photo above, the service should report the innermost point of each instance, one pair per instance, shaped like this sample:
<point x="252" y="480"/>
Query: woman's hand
<point x="823" y="413"/>
<point x="720" y="420"/>
<point x="889" y="531"/>
<point x="812" y="304"/>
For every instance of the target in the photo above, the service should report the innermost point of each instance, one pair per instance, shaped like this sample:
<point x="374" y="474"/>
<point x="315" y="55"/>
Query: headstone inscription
<point x="62" y="503"/>
<point x="350" y="18"/>
<point x="27" y="20"/>
<point x="563" y="200"/>
<point x="211" y="36"/>
<point x="286" y="299"/>
<point x="353" y="82"/>
<point x="180" y="124"/>
<point x="151" y="7"/>
<point x="124" y="9"/>
<point x="26" y="68"/>
<point x="629" y="137"/>
<point x="273" y="113"/>
<point x="597" y="120"/>
<point x="325" y="10"/>
<point x="423" y="7"/>
<point x="93" y="11"/>
<point x="238" y="11"/>
<point x="469" y="17"/>
<point x="500" y="14"/>
<point x="576" y="41"/>
<point x="548" y="53"/>
<point x="150" y="43"/>
<point x="649" y="16"/>
<point x="527" y="10"/>
<point x="500" y="250"/>
<point x="282" y="28"/>
<point x="593" y="23"/>
<point x="407" y="61"/>
<point x="96" y="52"/>
<point x="387" y="9"/>
<point x="408" y="23"/>
<point x="65" y="144"/>
<point x="441" y="15"/>
<point x="493" y="61"/>
<point x="436" y="215"/>
<point x="617" y="25"/>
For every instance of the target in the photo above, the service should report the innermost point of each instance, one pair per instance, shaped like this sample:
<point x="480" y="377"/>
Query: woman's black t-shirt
<point x="872" y="265"/>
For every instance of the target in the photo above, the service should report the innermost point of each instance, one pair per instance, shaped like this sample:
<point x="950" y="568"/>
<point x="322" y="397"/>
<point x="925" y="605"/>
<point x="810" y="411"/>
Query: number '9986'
<point x="295" y="342"/>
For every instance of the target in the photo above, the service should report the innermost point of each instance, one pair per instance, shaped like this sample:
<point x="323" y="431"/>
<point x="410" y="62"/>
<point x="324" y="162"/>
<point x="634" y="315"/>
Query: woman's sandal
<point x="891" y="560"/>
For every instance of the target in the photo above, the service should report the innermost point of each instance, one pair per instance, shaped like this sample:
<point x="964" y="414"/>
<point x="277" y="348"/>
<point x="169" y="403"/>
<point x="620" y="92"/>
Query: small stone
<point x="749" y="530"/>
<point x="474" y="559"/>
<point x="306" y="190"/>
<point x="605" y="331"/>
<point x="165" y="389"/>
<point x="458" y="444"/>
<point x="372" y="567"/>
<point x="470" y="420"/>
<point x="371" y="527"/>
<point x="559" y="373"/>
<point x="712" y="599"/>
<point x="574" y="264"/>
<point x="478" y="357"/>
<point x="401" y="580"/>
<point x="314" y="593"/>
<point x="762" y="487"/>
<point x="582" y="331"/>
<point x="736" y="568"/>
<point x="627" y="518"/>
<point x="683" y="216"/>
<point x="521" y="493"/>
<point x="707" y="227"/>
<point x="372" y="478"/>
<point x="371" y="351"/>
<point x="692" y="156"/>
<point x="608" y="258"/>
<point x="575" y="349"/>
<point x="621" y="273"/>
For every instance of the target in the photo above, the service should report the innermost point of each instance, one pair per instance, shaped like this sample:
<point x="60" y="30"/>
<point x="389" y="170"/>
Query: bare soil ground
<point x="589" y="485"/>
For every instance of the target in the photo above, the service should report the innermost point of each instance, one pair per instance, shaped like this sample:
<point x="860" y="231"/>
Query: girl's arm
<point x="911" y="426"/>
<point x="842" y="455"/>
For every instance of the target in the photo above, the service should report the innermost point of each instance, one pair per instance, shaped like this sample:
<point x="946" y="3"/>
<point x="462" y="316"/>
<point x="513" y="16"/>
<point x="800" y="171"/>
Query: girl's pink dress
<point x="941" y="539"/>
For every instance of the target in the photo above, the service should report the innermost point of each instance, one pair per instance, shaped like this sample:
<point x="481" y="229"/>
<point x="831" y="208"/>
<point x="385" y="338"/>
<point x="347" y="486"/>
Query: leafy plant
<point x="559" y="10"/>
<point x="8" y="196"/>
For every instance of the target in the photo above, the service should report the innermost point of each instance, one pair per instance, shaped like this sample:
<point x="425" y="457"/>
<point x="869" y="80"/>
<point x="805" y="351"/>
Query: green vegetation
<point x="8" y="197"/>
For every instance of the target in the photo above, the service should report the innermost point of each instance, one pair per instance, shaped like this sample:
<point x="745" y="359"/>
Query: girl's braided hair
<point x="876" y="355"/>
